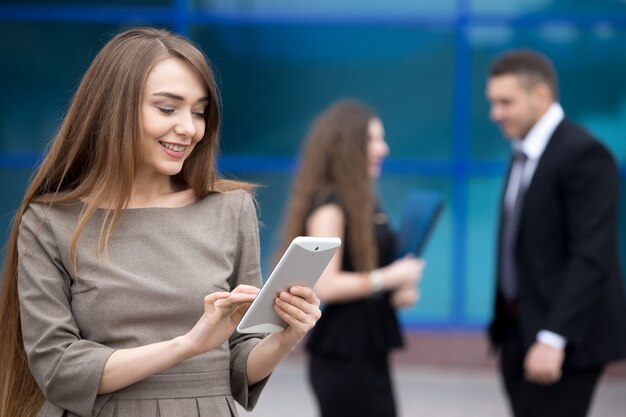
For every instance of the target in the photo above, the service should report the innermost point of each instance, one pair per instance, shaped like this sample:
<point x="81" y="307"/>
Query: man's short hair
<point x="531" y="66"/>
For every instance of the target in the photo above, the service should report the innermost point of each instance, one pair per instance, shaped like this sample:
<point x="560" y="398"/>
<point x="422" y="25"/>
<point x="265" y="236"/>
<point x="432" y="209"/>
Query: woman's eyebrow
<point x="177" y="97"/>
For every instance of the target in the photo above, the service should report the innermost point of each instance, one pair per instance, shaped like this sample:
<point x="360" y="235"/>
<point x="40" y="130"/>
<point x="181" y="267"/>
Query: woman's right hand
<point x="402" y="272"/>
<point x="222" y="313"/>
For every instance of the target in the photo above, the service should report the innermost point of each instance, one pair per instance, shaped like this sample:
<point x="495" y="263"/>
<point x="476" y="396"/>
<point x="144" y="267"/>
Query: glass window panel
<point x="330" y="7"/>
<point x="42" y="64"/>
<point x="482" y="224"/>
<point x="13" y="184"/>
<point x="272" y="199"/>
<point x="590" y="62"/>
<point x="521" y="7"/>
<point x="276" y="79"/>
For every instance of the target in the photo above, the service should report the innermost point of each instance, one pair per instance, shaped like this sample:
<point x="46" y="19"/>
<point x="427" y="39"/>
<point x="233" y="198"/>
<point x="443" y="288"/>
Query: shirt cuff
<point x="551" y="339"/>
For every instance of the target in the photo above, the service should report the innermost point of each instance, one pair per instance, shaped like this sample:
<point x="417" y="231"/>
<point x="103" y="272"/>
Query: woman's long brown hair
<point x="334" y="161"/>
<point x="93" y="158"/>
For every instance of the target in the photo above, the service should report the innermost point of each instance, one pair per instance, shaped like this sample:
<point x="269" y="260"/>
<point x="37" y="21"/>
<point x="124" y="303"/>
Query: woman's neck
<point x="160" y="194"/>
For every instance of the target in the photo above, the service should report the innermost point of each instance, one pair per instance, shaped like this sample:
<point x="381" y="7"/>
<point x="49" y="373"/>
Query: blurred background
<point x="421" y="64"/>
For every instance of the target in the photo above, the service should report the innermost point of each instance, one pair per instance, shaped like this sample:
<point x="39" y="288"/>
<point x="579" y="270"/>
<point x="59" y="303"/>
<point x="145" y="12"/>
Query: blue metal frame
<point x="179" y="16"/>
<point x="83" y="14"/>
<point x="460" y="156"/>
<point x="238" y="164"/>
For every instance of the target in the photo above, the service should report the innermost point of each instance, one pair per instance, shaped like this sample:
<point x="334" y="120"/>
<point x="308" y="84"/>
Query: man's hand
<point x="543" y="364"/>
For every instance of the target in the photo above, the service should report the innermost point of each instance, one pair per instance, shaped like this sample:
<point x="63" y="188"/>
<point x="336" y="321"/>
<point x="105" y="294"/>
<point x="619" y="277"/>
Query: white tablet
<point x="302" y="264"/>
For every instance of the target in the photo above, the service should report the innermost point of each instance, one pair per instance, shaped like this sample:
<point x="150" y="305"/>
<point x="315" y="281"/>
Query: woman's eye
<point x="199" y="114"/>
<point x="165" y="110"/>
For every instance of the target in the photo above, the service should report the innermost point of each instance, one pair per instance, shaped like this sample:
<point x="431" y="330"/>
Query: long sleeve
<point x="247" y="270"/>
<point x="591" y="201"/>
<point x="66" y="367"/>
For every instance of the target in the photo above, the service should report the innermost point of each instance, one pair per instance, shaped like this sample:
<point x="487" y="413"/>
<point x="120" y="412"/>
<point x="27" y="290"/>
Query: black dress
<point x="349" y="345"/>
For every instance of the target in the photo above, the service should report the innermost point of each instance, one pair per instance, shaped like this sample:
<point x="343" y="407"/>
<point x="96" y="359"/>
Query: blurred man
<point x="560" y="310"/>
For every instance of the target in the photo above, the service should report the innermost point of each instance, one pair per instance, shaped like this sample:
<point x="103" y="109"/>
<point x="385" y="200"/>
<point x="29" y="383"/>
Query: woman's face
<point x="172" y="113"/>
<point x="377" y="148"/>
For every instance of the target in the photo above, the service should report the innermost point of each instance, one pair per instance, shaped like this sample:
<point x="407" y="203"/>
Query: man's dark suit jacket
<point x="567" y="253"/>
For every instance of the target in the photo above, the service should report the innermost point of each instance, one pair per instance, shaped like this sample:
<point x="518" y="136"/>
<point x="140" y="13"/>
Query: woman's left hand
<point x="300" y="308"/>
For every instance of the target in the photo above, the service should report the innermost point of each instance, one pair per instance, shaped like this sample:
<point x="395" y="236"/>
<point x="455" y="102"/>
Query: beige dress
<point x="148" y="288"/>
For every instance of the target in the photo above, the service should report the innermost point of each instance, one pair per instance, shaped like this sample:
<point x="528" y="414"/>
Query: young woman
<point x="334" y="195"/>
<point x="130" y="261"/>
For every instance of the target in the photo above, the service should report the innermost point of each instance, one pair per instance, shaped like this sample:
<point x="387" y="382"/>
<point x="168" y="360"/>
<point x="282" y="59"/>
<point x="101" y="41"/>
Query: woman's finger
<point x="237" y="298"/>
<point x="301" y="326"/>
<point x="300" y="303"/>
<point x="213" y="297"/>
<point x="238" y="313"/>
<point x="306" y="293"/>
<point x="247" y="289"/>
<point x="234" y="300"/>
<point x="291" y="310"/>
<point x="298" y="308"/>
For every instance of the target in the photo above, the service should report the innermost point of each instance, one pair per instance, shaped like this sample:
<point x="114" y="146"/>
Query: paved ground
<point x="424" y="391"/>
<point x="438" y="374"/>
